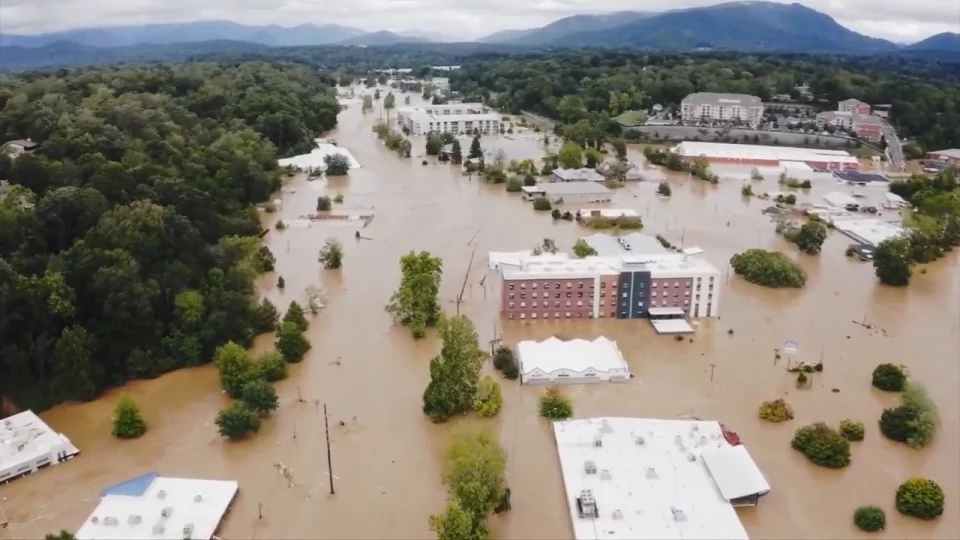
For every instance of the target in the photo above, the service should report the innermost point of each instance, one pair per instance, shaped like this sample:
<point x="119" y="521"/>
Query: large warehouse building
<point x="774" y="156"/>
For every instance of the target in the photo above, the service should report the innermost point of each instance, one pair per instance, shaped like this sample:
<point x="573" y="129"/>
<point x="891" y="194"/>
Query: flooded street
<point x="371" y="375"/>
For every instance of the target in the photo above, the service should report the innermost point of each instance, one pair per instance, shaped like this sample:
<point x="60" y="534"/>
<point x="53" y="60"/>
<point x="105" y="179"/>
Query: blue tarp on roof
<point x="130" y="488"/>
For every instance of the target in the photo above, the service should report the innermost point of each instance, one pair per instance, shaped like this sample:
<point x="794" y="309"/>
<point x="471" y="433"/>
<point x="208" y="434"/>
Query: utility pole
<point x="712" y="367"/>
<point x="326" y="424"/>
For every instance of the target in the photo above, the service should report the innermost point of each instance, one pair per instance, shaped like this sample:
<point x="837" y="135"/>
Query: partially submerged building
<point x="577" y="361"/>
<point x="638" y="479"/>
<point x="583" y="174"/>
<point x="153" y="507"/>
<point x="28" y="444"/>
<point x="771" y="156"/>
<point x="569" y="192"/>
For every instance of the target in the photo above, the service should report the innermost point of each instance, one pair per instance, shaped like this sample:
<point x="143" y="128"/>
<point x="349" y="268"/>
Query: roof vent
<point x="691" y="458"/>
<point x="134" y="519"/>
<point x="640" y="440"/>
<point x="652" y="474"/>
<point x="94" y="520"/>
<point x="111" y="521"/>
<point x="161" y="494"/>
<point x="598" y="441"/>
<point x="197" y="498"/>
<point x="678" y="514"/>
<point x="617" y="514"/>
<point x="590" y="467"/>
<point x="605" y="474"/>
<point x="158" y="529"/>
<point x="166" y="512"/>
<point x="187" y="531"/>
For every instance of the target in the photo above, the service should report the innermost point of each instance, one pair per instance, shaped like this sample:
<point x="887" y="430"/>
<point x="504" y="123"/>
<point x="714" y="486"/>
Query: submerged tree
<point x="237" y="421"/>
<point x="415" y="302"/>
<point x="128" y="421"/>
<point x="337" y="164"/>
<point x="331" y="255"/>
<point x="455" y="373"/>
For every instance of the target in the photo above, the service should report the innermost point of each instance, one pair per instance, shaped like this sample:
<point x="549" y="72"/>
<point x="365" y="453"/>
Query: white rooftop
<point x="576" y="355"/>
<point x="314" y="160"/>
<point x="840" y="199"/>
<point x="650" y="481"/>
<point x="671" y="326"/>
<point x="27" y="442"/>
<point x="868" y="231"/>
<point x="610" y="213"/>
<point x="166" y="510"/>
<point x="780" y="153"/>
<point x="553" y="267"/>
<point x="561" y="266"/>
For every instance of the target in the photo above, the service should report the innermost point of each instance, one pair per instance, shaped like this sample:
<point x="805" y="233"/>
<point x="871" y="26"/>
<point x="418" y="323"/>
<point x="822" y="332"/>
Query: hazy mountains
<point x="947" y="41"/>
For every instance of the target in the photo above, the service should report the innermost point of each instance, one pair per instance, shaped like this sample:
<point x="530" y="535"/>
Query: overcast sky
<point x="897" y="20"/>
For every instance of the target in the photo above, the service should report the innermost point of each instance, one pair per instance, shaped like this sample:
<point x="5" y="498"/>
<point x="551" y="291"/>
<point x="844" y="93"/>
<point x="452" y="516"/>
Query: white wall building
<point x="27" y="444"/>
<point x="449" y="118"/>
<point x="645" y="479"/>
<point x="569" y="192"/>
<point x="722" y="108"/>
<point x="159" y="508"/>
<point x="577" y="361"/>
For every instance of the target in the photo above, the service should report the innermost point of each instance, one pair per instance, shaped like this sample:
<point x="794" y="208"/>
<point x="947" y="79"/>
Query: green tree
<point x="337" y="164"/>
<point x="852" y="430"/>
<point x="237" y="421"/>
<point x="555" y="405"/>
<point x="454" y="523"/>
<point x="62" y="535"/>
<point x="889" y="377"/>
<point x="266" y="317"/>
<point x="620" y="148"/>
<point x="128" y="421"/>
<point x="270" y="366"/>
<point x="811" y="236"/>
<point x="542" y="204"/>
<point x="260" y="397"/>
<point x="506" y="363"/>
<point x="582" y="249"/>
<point x="324" y="204"/>
<point x="296" y="316"/>
<point x="456" y="155"/>
<point x="389" y="103"/>
<point x="455" y="372"/>
<point x="664" y="189"/>
<point x="476" y="151"/>
<point x="920" y="498"/>
<point x="233" y="365"/>
<point x="474" y="473"/>
<point x="434" y="145"/>
<point x="570" y="156"/>
<point x="592" y="158"/>
<point x="367" y="104"/>
<point x="489" y="398"/>
<point x="331" y="255"/>
<point x="870" y="519"/>
<point x="291" y="343"/>
<point x="768" y="268"/>
<point x="415" y="302"/>
<point x="822" y="445"/>
<point x="265" y="260"/>
<point x="892" y="261"/>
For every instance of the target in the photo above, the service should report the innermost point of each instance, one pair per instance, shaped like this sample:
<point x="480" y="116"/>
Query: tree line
<point x="128" y="239"/>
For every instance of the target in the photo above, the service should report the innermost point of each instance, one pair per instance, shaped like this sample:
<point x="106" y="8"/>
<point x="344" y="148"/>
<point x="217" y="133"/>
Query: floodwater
<point x="371" y="375"/>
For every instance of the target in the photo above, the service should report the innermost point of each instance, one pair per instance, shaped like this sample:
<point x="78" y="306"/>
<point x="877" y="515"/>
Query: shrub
<point x="555" y="405"/>
<point x="556" y="213"/>
<point x="506" y="363"/>
<point x="260" y="396"/>
<point x="237" y="421"/>
<point x="768" y="269"/>
<point x="852" y="430"/>
<point x="541" y="204"/>
<point x="870" y="519"/>
<point x="338" y="199"/>
<point x="337" y="164"/>
<point x="746" y="190"/>
<point x="128" y="421"/>
<point x="514" y="185"/>
<point x="291" y="343"/>
<point x="776" y="411"/>
<point x="920" y="498"/>
<point x="895" y="423"/>
<point x="270" y="366"/>
<point x="914" y="422"/>
<point x="489" y="398"/>
<point x="664" y="189"/>
<point x="331" y="254"/>
<point x="822" y="445"/>
<point x="889" y="378"/>
<point x="324" y="204"/>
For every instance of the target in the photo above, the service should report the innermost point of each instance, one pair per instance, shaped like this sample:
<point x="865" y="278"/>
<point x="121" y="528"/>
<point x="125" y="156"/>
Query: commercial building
<point x="632" y="174"/>
<point x="569" y="192"/>
<point x="773" y="156"/>
<point x="28" y="444"/>
<point x="577" y="175"/>
<point x="152" y="507"/>
<point x="577" y="361"/>
<point x="449" y="118"/>
<point x="710" y="107"/>
<point x="853" y="106"/>
<point x="868" y="232"/>
<point x="609" y="213"/>
<point x="838" y="199"/>
<point x="950" y="157"/>
<point x="630" y="285"/>
<point x="868" y="127"/>
<point x="646" y="479"/>
<point x="853" y="116"/>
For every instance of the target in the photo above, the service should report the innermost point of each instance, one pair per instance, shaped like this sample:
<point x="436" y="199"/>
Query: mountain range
<point x="750" y="26"/>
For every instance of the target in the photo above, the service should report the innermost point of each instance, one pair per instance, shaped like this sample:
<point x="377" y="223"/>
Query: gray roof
<point x="629" y="244"/>
<point x="852" y="101"/>
<point x="952" y="152"/>
<point x="713" y="98"/>
<point x="869" y="120"/>
<point x="582" y="174"/>
<point x="573" y="188"/>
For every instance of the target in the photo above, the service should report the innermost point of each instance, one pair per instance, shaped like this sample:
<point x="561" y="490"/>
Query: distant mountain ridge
<point x="946" y="42"/>
<point x="382" y="37"/>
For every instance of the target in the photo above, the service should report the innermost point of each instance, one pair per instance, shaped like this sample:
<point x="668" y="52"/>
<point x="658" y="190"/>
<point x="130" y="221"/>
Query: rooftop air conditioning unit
<point x="134" y="519"/>
<point x="161" y="494"/>
<point x="166" y="512"/>
<point x="197" y="498"/>
<point x="158" y="529"/>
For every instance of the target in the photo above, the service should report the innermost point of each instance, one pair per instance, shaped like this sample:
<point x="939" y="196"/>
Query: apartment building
<point x="853" y="106"/>
<point x="449" y="118"/>
<point x="854" y="116"/>
<point x="622" y="287"/>
<point x="710" y="107"/>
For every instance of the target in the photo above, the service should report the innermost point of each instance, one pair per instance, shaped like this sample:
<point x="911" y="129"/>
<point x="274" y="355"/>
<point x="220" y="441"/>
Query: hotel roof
<point x="626" y="245"/>
<point x="514" y="266"/>
<point x="714" y="98"/>
<point x="655" y="479"/>
<point x="25" y="439"/>
<point x="152" y="507"/>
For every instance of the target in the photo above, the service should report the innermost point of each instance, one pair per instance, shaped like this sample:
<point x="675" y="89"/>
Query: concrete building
<point x="841" y="120"/>
<point x="868" y="127"/>
<point x="453" y="118"/>
<point x="853" y="116"/>
<point x="633" y="174"/>
<point x="577" y="175"/>
<point x="868" y="232"/>
<point x="578" y="361"/>
<point x="950" y="157"/>
<point x="151" y="507"/>
<point x="440" y="84"/>
<point x="569" y="192"/>
<point x="646" y="479"/>
<point x="772" y="156"/>
<point x="628" y="285"/>
<point x="853" y="106"/>
<point x="28" y="444"/>
<point x="721" y="108"/>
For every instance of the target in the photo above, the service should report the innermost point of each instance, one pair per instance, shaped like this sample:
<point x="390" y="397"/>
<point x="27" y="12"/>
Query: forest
<point x="571" y="86"/>
<point x="129" y="238"/>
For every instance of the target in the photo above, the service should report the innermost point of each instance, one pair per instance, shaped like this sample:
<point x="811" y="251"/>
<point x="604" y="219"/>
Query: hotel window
<point x="557" y="285"/>
<point x="523" y="304"/>
<point x="557" y="295"/>
<point x="569" y="295"/>
<point x="603" y="302"/>
<point x="579" y="303"/>
<point x="579" y="295"/>
<point x="511" y="315"/>
<point x="533" y="315"/>
<point x="579" y="285"/>
<point x="546" y="285"/>
<point x="628" y="294"/>
<point x="676" y="283"/>
<point x="523" y="296"/>
<point x="603" y="295"/>
<point x="556" y="304"/>
<point x="686" y="293"/>
<point x="654" y="294"/>
<point x="523" y="285"/>
<point x="534" y="304"/>
<point x="534" y="286"/>
<point x="568" y="303"/>
<point x="654" y="285"/>
<point x="512" y="304"/>
<point x="511" y="296"/>
<point x="556" y="315"/>
<point x="523" y="315"/>
<point x="569" y="285"/>
<point x="511" y="286"/>
<point x="687" y="284"/>
<point x="568" y="314"/>
<point x="533" y="295"/>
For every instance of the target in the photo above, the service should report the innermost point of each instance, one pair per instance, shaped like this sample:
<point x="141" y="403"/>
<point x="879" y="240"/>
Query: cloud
<point x="891" y="19"/>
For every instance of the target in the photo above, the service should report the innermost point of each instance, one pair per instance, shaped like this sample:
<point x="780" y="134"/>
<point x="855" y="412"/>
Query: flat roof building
<point x="569" y="192"/>
<point x="626" y="245"/>
<point x="578" y="361"/>
<point x="721" y="108"/>
<point x="870" y="232"/>
<point x="647" y="479"/>
<point x="28" y="444"/>
<point x="583" y="174"/>
<point x="152" y="507"/>
<point x="453" y="118"/>
<point x="951" y="156"/>
<point x="774" y="156"/>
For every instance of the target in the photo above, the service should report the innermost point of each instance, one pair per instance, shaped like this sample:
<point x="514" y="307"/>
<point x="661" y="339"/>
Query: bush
<point x="556" y="213"/>
<point x="128" y="421"/>
<point x="237" y="421"/>
<point x="555" y="405"/>
<point x="324" y="204"/>
<point x="506" y="363"/>
<point x="768" y="269"/>
<point x="270" y="366"/>
<point x="920" y="498"/>
<point x="514" y="185"/>
<point x="339" y="198"/>
<point x="291" y="343"/>
<point x="822" y="445"/>
<point x="746" y="190"/>
<point x="776" y="411"/>
<point x="914" y="422"/>
<point x="852" y="430"/>
<point x="337" y="164"/>
<point x="489" y="398"/>
<point x="541" y="204"/>
<point x="331" y="254"/>
<point x="889" y="378"/>
<point x="260" y="396"/>
<point x="870" y="519"/>
<point x="664" y="189"/>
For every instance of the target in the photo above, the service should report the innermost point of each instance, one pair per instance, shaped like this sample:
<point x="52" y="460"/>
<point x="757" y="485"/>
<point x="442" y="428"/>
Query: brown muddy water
<point x="371" y="374"/>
